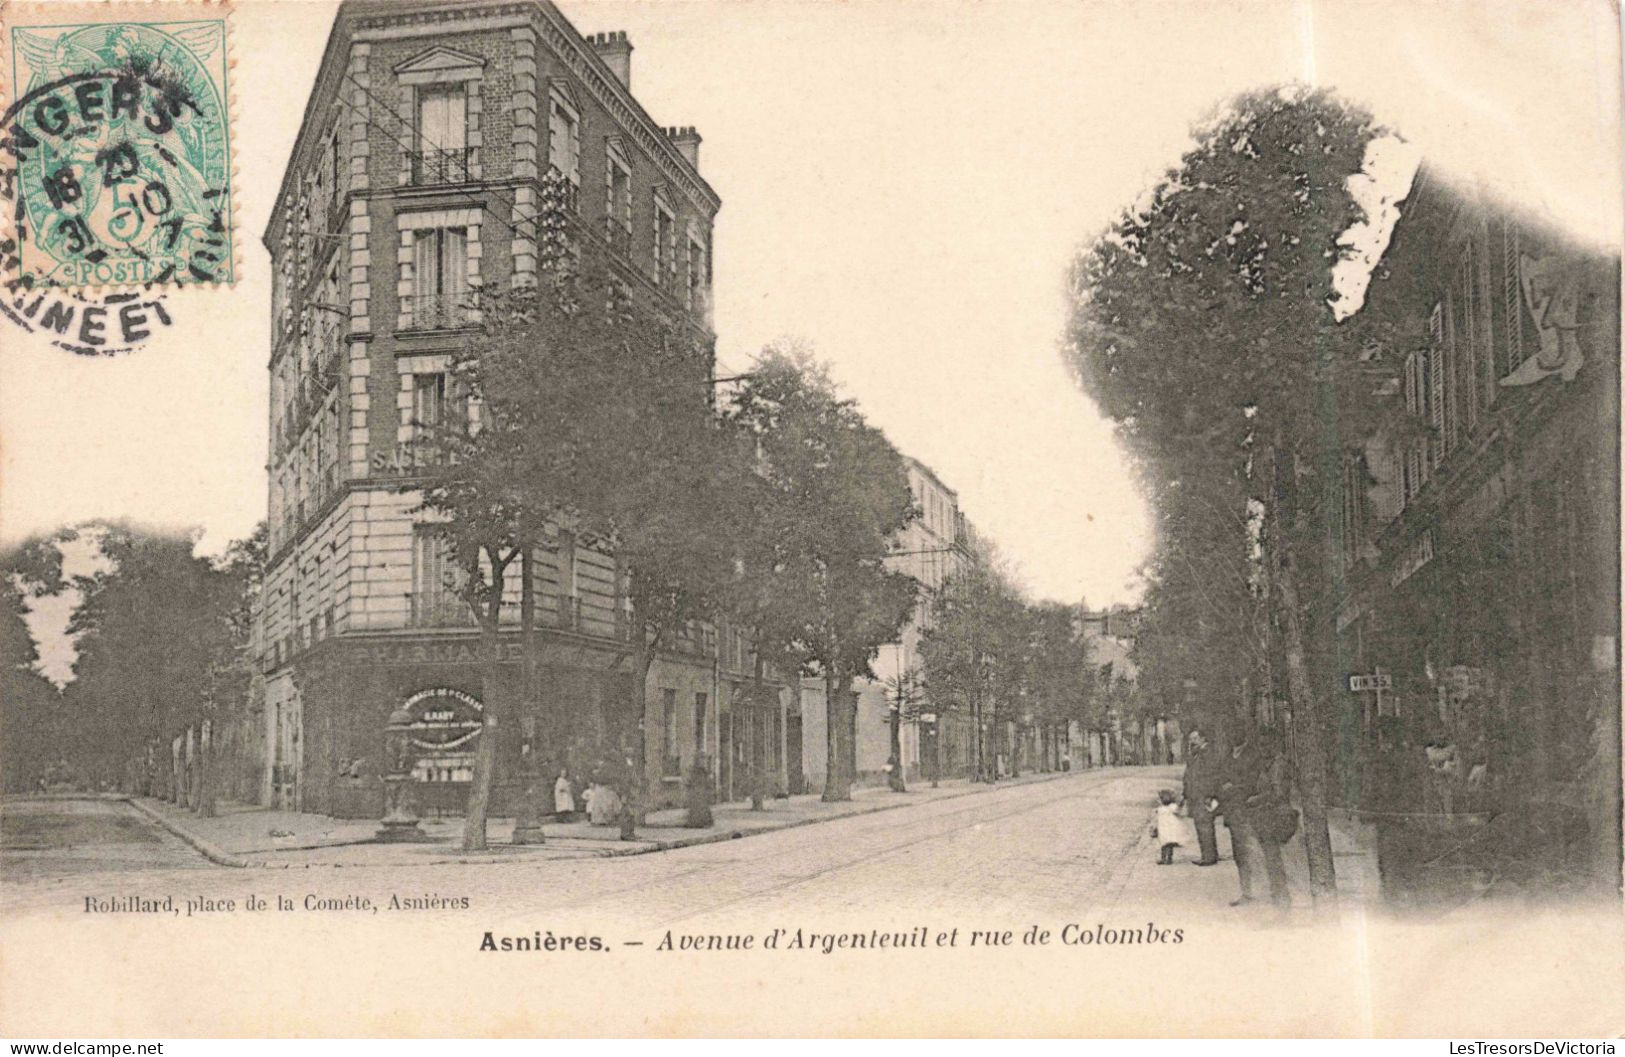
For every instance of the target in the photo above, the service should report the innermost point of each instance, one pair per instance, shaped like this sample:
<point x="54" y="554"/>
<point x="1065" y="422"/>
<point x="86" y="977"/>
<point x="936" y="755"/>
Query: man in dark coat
<point x="1247" y="793"/>
<point x="1201" y="786"/>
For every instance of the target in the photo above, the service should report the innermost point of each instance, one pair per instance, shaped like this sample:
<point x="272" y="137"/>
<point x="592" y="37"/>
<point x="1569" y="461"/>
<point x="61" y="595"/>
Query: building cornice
<point x="359" y="21"/>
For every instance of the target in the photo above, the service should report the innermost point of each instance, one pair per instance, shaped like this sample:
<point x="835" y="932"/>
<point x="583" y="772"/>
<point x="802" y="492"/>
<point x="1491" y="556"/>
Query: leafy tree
<point x="33" y="727"/>
<point x="158" y="628"/>
<point x="1061" y="677"/>
<point x="592" y="416"/>
<point x="1204" y="327"/>
<point x="967" y="654"/>
<point x="829" y="496"/>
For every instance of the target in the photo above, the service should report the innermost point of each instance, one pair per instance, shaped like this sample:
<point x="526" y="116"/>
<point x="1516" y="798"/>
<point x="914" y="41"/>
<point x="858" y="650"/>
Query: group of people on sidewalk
<point x="1242" y="780"/>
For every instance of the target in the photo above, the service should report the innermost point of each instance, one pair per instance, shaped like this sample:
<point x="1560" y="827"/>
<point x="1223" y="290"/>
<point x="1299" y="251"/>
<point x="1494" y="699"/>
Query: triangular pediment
<point x="439" y="58"/>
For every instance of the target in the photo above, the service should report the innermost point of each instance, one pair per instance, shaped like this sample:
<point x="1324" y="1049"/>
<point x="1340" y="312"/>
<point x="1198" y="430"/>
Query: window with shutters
<point x="440" y="295"/>
<point x="1414" y="470"/>
<point x="437" y="407"/>
<point x="695" y="297"/>
<point x="437" y="581"/>
<point x="1433" y="392"/>
<point x="564" y="138"/>
<point x="617" y="197"/>
<point x="1518" y="337"/>
<point x="665" y="236"/>
<point x="442" y="154"/>
<point x="1444" y="327"/>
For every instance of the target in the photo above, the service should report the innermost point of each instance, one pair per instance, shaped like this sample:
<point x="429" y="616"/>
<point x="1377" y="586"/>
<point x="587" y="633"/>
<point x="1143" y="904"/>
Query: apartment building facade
<point x="444" y="145"/>
<point x="1478" y="551"/>
<point x="931" y="549"/>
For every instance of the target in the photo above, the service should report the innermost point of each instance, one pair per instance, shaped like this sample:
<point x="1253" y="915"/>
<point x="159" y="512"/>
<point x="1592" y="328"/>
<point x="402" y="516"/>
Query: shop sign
<point x="442" y="652"/>
<point x="443" y="718"/>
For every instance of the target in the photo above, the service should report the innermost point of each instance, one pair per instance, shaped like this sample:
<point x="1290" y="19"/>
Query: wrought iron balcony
<point x="440" y="611"/>
<point x="434" y="167"/>
<point x="438" y="311"/>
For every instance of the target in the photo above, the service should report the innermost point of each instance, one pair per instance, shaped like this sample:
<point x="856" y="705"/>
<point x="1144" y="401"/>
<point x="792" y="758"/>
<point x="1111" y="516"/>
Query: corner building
<point x="433" y="132"/>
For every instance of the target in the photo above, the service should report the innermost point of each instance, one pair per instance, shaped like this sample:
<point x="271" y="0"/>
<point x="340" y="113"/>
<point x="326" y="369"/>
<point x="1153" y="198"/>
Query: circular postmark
<point x="121" y="149"/>
<point x="116" y="167"/>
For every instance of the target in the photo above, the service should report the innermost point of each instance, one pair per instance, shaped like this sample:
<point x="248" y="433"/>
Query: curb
<point x="738" y="834"/>
<point x="203" y="847"/>
<point x="220" y="857"/>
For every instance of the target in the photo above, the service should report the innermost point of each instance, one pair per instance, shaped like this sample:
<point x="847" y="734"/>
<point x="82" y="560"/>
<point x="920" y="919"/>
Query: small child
<point x="1168" y="827"/>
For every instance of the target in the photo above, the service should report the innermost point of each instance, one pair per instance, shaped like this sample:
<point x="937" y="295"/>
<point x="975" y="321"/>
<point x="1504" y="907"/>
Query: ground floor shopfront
<point x="326" y="713"/>
<point x="1482" y="732"/>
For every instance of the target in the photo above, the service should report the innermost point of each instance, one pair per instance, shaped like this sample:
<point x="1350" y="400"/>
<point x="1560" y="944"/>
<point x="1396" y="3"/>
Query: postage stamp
<point x="117" y="144"/>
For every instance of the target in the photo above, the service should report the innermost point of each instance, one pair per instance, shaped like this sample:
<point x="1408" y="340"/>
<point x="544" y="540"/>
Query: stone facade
<point x="430" y="135"/>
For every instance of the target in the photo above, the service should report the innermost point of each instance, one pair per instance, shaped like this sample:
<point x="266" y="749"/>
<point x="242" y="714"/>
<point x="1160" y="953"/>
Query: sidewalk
<point x="1181" y="885"/>
<point x="247" y="835"/>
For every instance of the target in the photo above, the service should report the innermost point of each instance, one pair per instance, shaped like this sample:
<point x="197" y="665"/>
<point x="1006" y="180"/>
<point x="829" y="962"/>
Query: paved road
<point x="51" y="840"/>
<point x="1058" y="846"/>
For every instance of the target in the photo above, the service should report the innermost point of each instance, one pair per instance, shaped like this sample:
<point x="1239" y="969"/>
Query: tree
<point x="1062" y="677"/>
<point x="1203" y="325"/>
<point x="157" y="629"/>
<point x="33" y="733"/>
<point x="829" y="496"/>
<point x="967" y="653"/>
<point x="591" y="416"/>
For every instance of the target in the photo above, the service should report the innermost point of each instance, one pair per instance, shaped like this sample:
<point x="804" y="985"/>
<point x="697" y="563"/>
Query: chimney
<point x="616" y="51"/>
<point x="687" y="142"/>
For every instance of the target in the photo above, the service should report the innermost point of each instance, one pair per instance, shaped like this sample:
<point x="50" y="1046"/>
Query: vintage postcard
<point x="636" y="517"/>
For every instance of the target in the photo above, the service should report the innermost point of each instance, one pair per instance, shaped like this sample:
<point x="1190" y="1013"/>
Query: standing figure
<point x="564" y="800"/>
<point x="1201" y="787"/>
<point x="1246" y="799"/>
<point x="1168" y="827"/>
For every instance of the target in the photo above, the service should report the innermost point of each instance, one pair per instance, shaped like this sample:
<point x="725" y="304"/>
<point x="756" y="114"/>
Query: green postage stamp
<point x="117" y="146"/>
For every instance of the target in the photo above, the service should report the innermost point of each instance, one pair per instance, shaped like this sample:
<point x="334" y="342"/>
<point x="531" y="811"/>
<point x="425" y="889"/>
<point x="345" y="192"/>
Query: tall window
<point x="436" y="581"/>
<point x="440" y="277"/>
<point x="617" y="196"/>
<point x="564" y="138"/>
<point x="700" y="703"/>
<point x="671" y="762"/>
<point x="665" y="256"/>
<point x="696" y="274"/>
<point x="442" y="117"/>
<point x="442" y="135"/>
<point x="436" y="407"/>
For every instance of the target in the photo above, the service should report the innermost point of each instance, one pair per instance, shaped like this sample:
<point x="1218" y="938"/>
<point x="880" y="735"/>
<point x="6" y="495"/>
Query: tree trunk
<point x="485" y="747"/>
<point x="1306" y="745"/>
<point x="758" y="737"/>
<point x="894" y="778"/>
<point x="632" y="809"/>
<point x="837" y="779"/>
<point x="205" y="774"/>
<point x="976" y="738"/>
<point x="527" y="826"/>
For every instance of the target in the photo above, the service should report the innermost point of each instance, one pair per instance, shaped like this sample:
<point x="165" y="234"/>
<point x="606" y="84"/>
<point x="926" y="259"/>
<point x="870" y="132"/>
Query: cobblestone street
<point x="1060" y="845"/>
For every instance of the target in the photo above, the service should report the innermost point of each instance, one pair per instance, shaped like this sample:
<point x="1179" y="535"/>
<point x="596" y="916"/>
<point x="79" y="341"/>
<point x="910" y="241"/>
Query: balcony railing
<point x="434" y="167"/>
<point x="560" y="192"/>
<point x="438" y="311"/>
<point x="440" y="611"/>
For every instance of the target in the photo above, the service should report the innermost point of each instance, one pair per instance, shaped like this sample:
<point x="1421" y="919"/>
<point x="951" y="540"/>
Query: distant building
<point x="433" y="132"/>
<point x="932" y="549"/>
